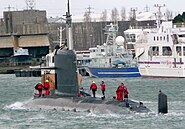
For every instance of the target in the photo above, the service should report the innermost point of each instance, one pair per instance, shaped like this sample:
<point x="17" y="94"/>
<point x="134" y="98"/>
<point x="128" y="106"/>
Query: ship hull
<point x="21" y="60"/>
<point x="161" y="71"/>
<point x="113" y="72"/>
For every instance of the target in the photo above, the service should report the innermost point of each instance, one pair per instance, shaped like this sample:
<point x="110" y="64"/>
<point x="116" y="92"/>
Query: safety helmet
<point x="93" y="81"/>
<point x="62" y="45"/>
<point x="47" y="80"/>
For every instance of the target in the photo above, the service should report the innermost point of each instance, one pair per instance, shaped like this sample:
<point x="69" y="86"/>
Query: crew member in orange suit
<point x="46" y="87"/>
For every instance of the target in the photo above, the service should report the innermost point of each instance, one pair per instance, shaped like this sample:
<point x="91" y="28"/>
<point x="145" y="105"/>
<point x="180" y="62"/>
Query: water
<point x="17" y="91"/>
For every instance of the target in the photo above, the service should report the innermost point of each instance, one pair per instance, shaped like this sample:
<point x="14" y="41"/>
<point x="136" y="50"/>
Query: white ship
<point x="161" y="51"/>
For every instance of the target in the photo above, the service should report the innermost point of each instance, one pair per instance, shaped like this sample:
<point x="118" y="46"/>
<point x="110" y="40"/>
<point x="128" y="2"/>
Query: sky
<point x="79" y="7"/>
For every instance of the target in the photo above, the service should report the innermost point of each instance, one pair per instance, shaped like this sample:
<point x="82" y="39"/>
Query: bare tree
<point x="114" y="15"/>
<point x="123" y="14"/>
<point x="169" y="15"/>
<point x="103" y="16"/>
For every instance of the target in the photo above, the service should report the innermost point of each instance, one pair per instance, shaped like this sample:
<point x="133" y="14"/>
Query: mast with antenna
<point x="9" y="8"/>
<point x="69" y="28"/>
<point x="159" y="14"/>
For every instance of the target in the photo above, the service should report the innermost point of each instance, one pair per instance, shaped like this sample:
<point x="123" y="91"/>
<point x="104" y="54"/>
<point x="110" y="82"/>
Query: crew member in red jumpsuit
<point x="93" y="87"/>
<point x="46" y="87"/>
<point x="119" y="92"/>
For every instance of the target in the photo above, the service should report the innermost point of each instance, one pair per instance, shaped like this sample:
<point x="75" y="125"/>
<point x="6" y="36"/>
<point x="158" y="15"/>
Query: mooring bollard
<point x="162" y="103"/>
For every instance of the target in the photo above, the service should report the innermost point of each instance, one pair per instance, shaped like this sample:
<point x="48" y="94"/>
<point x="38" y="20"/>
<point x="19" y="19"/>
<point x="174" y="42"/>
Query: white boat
<point x="161" y="51"/>
<point x="21" y="57"/>
<point x="112" y="59"/>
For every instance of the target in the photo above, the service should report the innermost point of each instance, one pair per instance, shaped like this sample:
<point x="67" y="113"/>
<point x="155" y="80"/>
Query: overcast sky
<point x="57" y="7"/>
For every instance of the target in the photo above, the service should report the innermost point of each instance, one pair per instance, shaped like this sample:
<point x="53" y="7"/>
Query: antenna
<point x="88" y="14"/>
<point x="89" y="10"/>
<point x="68" y="8"/>
<point x="69" y="28"/>
<point x="68" y="15"/>
<point x="30" y="4"/>
<point x="158" y="14"/>
<point x="133" y="13"/>
<point x="146" y="9"/>
<point x="9" y="8"/>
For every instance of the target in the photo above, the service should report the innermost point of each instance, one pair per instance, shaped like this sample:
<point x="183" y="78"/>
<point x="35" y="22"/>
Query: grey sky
<point x="58" y="7"/>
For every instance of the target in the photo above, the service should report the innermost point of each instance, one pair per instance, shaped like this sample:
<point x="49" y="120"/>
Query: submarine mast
<point x="69" y="28"/>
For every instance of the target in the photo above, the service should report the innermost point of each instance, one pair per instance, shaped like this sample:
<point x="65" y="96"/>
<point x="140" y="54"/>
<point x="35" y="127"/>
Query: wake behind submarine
<point x="63" y="78"/>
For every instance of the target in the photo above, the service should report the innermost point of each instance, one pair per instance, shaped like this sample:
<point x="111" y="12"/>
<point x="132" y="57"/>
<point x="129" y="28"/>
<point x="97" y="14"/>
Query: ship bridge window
<point x="166" y="51"/>
<point x="130" y="46"/>
<point x="53" y="59"/>
<point x="161" y="38"/>
<point x="154" y="50"/>
<point x="130" y="37"/>
<point x="133" y="37"/>
<point x="184" y="51"/>
<point x="92" y="50"/>
<point x="178" y="50"/>
<point x="182" y="35"/>
<point x="164" y="38"/>
<point x="102" y="50"/>
<point x="167" y="38"/>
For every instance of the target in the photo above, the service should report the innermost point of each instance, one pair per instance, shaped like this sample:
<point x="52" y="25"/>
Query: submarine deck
<point x="88" y="104"/>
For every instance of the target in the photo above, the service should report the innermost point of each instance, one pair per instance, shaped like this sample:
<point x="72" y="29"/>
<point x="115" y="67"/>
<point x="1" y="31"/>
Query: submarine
<point x="65" y="95"/>
<point x="63" y="77"/>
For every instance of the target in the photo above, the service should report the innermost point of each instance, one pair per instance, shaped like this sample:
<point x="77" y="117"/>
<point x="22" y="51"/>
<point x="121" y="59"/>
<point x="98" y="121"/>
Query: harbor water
<point x="16" y="91"/>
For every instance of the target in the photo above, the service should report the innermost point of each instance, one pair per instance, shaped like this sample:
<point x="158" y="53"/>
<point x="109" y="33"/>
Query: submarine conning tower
<point x="66" y="72"/>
